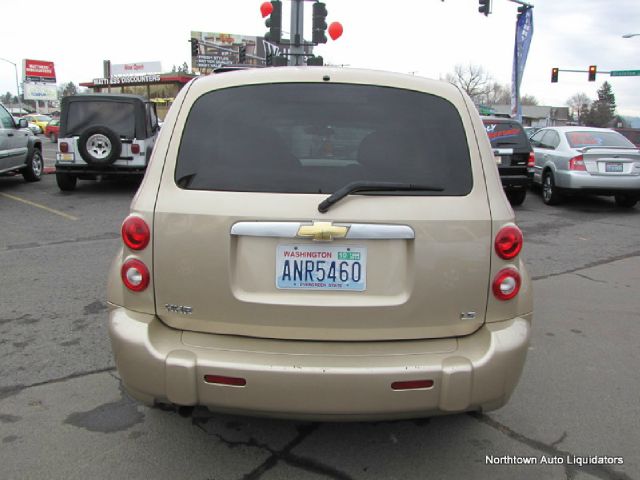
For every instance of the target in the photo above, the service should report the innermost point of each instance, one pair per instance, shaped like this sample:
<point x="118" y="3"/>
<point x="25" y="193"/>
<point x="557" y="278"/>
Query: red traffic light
<point x="554" y="75"/>
<point x="592" y="73"/>
<point x="335" y="30"/>
<point x="265" y="9"/>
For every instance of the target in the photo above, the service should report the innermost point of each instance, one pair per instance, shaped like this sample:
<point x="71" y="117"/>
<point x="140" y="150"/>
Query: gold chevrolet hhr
<point x="319" y="243"/>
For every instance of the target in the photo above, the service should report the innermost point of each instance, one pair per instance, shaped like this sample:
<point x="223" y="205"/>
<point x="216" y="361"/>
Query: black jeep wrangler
<point x="104" y="134"/>
<point x="513" y="154"/>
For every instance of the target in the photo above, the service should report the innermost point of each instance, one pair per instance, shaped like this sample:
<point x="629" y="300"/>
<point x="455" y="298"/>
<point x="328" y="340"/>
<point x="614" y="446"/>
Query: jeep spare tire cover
<point x="99" y="145"/>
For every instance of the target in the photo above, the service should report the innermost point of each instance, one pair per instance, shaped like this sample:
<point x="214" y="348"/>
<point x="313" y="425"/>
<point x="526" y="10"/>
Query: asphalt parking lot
<point x="64" y="415"/>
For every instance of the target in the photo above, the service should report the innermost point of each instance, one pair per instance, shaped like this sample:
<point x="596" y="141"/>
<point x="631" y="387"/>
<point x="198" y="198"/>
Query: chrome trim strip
<point x="359" y="231"/>
<point x="380" y="232"/>
<point x="266" y="229"/>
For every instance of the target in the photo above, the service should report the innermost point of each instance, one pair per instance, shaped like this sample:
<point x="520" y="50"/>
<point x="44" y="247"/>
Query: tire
<point x="66" y="182"/>
<point x="626" y="201"/>
<point x="516" y="197"/>
<point x="550" y="194"/>
<point x="99" y="146"/>
<point x="35" y="166"/>
<point x="53" y="137"/>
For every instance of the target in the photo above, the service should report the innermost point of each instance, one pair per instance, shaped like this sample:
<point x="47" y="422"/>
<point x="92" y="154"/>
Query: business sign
<point x="39" y="71"/>
<point x="126" y="80"/>
<point x="34" y="91"/>
<point x="216" y="49"/>
<point x="137" y="68"/>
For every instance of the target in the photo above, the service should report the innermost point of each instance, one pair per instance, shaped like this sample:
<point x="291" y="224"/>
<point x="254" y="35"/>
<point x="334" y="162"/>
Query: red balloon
<point x="266" y="8"/>
<point x="335" y="30"/>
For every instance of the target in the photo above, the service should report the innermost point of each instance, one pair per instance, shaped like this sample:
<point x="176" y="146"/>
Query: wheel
<point x="516" y="197"/>
<point x="53" y="137"/>
<point x="35" y="165"/>
<point x="550" y="194"/>
<point x="99" y="146"/>
<point x="66" y="182"/>
<point x="626" y="201"/>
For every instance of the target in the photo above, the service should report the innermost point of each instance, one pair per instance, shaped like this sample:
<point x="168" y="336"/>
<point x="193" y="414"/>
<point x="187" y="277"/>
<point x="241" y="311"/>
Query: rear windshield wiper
<point x="366" y="186"/>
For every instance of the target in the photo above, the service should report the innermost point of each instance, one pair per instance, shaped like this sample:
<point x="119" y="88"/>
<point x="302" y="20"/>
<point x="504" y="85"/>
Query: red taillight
<point x="506" y="285"/>
<point x="508" y="242"/>
<point x="577" y="164"/>
<point x="64" y="147"/>
<point x="135" y="275"/>
<point x="222" y="380"/>
<point x="532" y="160"/>
<point x="135" y="148"/>
<point x="412" y="384"/>
<point x="135" y="233"/>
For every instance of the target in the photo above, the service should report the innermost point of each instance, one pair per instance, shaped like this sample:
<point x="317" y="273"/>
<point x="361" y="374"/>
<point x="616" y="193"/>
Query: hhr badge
<point x="182" y="309"/>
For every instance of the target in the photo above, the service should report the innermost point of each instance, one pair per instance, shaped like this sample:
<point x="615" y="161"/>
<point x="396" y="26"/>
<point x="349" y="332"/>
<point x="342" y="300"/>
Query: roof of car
<point x="86" y="97"/>
<point x="578" y="128"/>
<point x="499" y="119"/>
<point x="204" y="83"/>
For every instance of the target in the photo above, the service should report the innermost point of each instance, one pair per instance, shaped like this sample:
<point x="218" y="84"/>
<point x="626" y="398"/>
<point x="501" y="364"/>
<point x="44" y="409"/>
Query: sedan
<point x="52" y="130"/>
<point x="570" y="160"/>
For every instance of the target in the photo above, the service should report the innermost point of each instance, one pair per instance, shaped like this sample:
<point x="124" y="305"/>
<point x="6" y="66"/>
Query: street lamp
<point x="629" y="35"/>
<point x="17" y="87"/>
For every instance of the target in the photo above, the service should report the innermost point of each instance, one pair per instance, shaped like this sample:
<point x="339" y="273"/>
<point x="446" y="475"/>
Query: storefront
<point x="159" y="88"/>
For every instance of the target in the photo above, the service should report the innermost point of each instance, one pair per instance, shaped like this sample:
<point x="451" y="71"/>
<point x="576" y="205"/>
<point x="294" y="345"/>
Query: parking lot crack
<point x="604" y="261"/>
<point x="603" y="472"/>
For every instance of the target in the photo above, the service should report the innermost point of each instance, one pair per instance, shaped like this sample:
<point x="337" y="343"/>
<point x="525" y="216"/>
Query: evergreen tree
<point x="603" y="109"/>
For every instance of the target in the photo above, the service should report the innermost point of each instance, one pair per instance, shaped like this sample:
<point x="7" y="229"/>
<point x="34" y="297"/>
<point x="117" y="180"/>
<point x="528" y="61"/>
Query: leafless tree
<point x="474" y="80"/>
<point x="579" y="106"/>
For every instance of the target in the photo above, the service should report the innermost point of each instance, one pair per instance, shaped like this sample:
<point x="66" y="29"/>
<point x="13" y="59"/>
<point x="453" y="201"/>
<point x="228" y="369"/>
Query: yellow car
<point x="40" y="120"/>
<point x="318" y="243"/>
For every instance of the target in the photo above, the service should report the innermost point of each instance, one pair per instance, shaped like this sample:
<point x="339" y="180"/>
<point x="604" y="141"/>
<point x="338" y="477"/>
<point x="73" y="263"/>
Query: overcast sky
<point x="428" y="37"/>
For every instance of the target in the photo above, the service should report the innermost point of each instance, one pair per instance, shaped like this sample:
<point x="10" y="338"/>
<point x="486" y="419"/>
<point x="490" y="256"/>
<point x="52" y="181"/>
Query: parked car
<point x="572" y="160"/>
<point x="530" y="131"/>
<point x="513" y="154"/>
<point x="104" y="134"/>
<point x="53" y="130"/>
<point x="20" y="150"/>
<point x="321" y="243"/>
<point x="40" y="120"/>
<point x="35" y="129"/>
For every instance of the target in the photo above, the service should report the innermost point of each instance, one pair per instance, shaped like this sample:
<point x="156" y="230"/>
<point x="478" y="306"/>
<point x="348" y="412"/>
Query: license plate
<point x="613" y="167"/>
<point x="321" y="267"/>
<point x="65" y="157"/>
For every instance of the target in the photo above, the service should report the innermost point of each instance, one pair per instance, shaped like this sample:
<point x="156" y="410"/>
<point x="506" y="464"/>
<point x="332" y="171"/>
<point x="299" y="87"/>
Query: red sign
<point x="39" y="71"/>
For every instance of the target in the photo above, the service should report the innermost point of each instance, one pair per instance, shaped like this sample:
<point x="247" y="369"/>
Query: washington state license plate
<point x="321" y="267"/>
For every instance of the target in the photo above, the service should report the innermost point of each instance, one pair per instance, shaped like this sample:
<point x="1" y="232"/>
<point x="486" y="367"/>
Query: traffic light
<point x="319" y="25"/>
<point x="242" y="54"/>
<point x="592" y="73"/>
<point x="274" y="23"/>
<point x="484" y="7"/>
<point x="554" y="75"/>
<point x="315" y="61"/>
<point x="194" y="47"/>
<point x="522" y="9"/>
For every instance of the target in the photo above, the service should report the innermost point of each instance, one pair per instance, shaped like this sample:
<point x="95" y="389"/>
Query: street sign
<point x="625" y="73"/>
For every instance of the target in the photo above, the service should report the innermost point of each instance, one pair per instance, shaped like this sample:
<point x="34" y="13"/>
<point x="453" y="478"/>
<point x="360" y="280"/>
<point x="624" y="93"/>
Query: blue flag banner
<point x="524" y="32"/>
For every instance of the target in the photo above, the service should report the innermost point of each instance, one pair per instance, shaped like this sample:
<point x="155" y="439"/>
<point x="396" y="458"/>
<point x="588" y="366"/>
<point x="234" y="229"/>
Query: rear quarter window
<point x="316" y="138"/>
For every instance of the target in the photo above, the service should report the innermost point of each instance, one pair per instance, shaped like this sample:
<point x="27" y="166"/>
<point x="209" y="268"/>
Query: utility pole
<point x="297" y="32"/>
<point x="17" y="87"/>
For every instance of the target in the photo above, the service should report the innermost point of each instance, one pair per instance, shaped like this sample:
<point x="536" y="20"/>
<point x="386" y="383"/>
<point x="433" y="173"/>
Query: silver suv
<point x="20" y="149"/>
<point x="321" y="243"/>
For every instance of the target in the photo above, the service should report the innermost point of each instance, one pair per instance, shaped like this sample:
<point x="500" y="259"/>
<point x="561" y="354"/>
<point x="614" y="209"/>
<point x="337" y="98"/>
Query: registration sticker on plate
<point x="321" y="267"/>
<point x="613" y="167"/>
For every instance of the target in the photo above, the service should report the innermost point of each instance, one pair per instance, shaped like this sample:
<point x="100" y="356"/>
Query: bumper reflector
<point x="221" y="380"/>
<point x="412" y="385"/>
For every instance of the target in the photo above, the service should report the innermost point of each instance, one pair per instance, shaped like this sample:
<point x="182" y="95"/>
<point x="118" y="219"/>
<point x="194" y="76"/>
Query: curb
<point x="49" y="170"/>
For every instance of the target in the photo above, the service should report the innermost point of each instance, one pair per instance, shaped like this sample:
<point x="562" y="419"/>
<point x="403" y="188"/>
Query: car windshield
<point x="41" y="118"/>
<point x="118" y="116"/>
<point x="316" y="138"/>
<point x="579" y="139"/>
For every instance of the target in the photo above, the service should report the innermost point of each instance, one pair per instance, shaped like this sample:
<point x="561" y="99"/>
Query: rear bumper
<point x="318" y="380"/>
<point x="602" y="184"/>
<point x="511" y="182"/>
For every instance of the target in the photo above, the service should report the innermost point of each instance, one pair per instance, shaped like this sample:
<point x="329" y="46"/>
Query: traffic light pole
<point x="297" y="33"/>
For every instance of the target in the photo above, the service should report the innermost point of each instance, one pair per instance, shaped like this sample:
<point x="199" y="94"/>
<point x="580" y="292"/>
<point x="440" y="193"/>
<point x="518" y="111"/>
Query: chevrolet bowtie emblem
<point x="322" y="231"/>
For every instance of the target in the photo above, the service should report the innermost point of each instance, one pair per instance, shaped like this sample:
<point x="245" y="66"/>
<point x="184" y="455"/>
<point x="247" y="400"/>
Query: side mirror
<point x="22" y="123"/>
